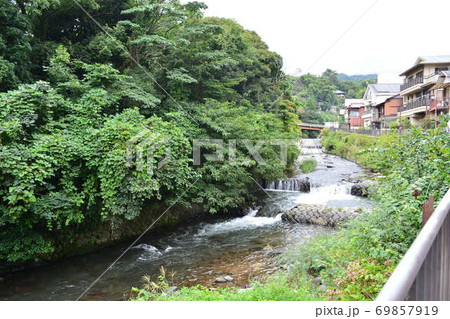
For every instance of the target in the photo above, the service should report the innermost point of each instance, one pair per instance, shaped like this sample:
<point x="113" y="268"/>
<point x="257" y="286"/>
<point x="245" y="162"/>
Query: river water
<point x="244" y="248"/>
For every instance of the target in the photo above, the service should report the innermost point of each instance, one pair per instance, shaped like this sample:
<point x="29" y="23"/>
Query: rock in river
<point x="222" y="280"/>
<point x="361" y="189"/>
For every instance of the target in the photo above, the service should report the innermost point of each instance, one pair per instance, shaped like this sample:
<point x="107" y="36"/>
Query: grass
<point x="277" y="288"/>
<point x="308" y="166"/>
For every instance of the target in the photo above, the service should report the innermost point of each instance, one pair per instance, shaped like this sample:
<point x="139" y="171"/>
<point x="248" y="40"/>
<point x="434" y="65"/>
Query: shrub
<point x="308" y="166"/>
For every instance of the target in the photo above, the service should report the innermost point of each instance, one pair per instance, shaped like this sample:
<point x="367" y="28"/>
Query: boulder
<point x="361" y="189"/>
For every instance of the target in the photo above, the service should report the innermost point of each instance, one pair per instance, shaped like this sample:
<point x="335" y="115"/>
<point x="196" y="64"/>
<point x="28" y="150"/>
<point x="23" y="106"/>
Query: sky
<point x="349" y="36"/>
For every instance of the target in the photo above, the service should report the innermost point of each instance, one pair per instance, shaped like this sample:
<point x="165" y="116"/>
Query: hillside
<point x="356" y="77"/>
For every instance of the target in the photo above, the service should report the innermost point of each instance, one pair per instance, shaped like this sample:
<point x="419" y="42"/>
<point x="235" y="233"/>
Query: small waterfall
<point x="249" y="221"/>
<point x="290" y="184"/>
<point x="341" y="189"/>
<point x="337" y="195"/>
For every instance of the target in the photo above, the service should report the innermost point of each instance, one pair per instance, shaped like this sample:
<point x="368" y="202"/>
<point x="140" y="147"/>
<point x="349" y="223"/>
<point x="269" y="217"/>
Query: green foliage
<point x="308" y="166"/>
<point x="358" y="77"/>
<point x="363" y="280"/>
<point x="414" y="165"/>
<point x="351" y="146"/>
<point x="316" y="98"/>
<point x="278" y="288"/>
<point x="15" y="47"/>
<point x="163" y="73"/>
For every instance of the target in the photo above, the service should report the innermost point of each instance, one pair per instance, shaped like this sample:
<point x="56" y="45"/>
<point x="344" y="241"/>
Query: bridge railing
<point x="424" y="272"/>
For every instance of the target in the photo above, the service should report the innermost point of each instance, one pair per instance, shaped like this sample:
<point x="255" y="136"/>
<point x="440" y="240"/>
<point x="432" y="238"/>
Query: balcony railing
<point x="411" y="82"/>
<point x="418" y="102"/>
<point x="429" y="76"/>
<point x="439" y="104"/>
<point x="443" y="104"/>
<point x="373" y="113"/>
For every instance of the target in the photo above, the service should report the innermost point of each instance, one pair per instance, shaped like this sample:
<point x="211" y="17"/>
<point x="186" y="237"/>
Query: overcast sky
<point x="386" y="39"/>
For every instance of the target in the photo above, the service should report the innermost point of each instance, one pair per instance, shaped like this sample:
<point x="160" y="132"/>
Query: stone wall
<point x="78" y="241"/>
<point x="321" y="215"/>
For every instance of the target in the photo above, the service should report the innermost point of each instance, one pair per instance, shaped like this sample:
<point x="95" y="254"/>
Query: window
<point x="419" y="77"/>
<point x="354" y="114"/>
<point x="437" y="70"/>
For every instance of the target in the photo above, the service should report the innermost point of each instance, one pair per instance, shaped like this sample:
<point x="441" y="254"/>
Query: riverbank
<point x="219" y="253"/>
<point x="294" y="280"/>
<point x="79" y="242"/>
<point x="354" y="263"/>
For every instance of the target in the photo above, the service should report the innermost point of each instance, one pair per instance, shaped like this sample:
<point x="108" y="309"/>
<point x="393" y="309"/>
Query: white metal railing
<point x="424" y="272"/>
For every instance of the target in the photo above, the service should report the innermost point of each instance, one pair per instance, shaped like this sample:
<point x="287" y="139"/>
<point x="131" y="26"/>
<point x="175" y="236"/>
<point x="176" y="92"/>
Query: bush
<point x="308" y="166"/>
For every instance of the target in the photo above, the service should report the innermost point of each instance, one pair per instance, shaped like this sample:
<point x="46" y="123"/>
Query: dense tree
<point x="317" y="95"/>
<point x="75" y="95"/>
<point x="15" y="47"/>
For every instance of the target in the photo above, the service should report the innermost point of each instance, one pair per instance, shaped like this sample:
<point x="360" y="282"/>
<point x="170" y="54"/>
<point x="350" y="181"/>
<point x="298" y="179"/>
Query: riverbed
<point x="243" y="248"/>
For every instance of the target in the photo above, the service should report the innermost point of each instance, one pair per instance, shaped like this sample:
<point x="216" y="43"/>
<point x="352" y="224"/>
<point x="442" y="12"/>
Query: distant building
<point x="353" y="116"/>
<point x="374" y="102"/>
<point x="387" y="111"/>
<point x="440" y="95"/>
<point x="334" y="125"/>
<point x="420" y="88"/>
<point x="339" y="93"/>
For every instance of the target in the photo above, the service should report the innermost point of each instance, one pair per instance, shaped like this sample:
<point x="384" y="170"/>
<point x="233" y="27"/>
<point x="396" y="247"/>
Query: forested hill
<point x="73" y="94"/>
<point x="319" y="96"/>
<point x="357" y="78"/>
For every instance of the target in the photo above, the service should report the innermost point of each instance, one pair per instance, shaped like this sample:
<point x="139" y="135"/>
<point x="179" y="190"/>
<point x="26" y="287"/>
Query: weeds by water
<point x="308" y="166"/>
<point x="277" y="288"/>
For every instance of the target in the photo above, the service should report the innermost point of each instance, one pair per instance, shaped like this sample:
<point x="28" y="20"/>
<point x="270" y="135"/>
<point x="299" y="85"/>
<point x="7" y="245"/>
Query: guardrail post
<point x="427" y="209"/>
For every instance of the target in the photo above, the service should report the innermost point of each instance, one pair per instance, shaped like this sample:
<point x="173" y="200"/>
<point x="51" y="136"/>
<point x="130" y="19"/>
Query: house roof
<point x="354" y="103"/>
<point x="385" y="88"/>
<point x="398" y="96"/>
<point x="432" y="59"/>
<point x="446" y="73"/>
<point x="390" y="98"/>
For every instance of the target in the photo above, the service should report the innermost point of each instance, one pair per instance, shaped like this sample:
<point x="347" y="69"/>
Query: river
<point x="245" y="248"/>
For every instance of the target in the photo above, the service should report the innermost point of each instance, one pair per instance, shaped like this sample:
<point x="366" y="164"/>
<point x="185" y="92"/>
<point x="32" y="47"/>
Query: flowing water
<point x="244" y="248"/>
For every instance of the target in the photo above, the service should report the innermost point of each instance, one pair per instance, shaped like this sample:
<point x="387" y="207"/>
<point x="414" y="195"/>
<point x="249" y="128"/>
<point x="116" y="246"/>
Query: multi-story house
<point x="353" y="116"/>
<point x="387" y="111"/>
<point x="440" y="95"/>
<point x="374" y="99"/>
<point x="420" y="79"/>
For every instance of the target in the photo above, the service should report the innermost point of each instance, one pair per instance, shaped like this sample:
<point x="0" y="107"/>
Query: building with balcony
<point x="417" y="90"/>
<point x="440" y="95"/>
<point x="386" y="112"/>
<point x="374" y="99"/>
